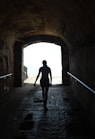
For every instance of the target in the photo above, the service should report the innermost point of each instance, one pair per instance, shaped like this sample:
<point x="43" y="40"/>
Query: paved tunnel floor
<point x="22" y="115"/>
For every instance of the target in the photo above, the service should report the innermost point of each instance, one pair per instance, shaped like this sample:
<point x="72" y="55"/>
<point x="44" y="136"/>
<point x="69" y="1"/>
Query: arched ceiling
<point x="72" y="20"/>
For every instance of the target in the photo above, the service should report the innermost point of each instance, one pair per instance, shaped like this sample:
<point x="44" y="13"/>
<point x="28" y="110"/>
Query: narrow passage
<point x="62" y="120"/>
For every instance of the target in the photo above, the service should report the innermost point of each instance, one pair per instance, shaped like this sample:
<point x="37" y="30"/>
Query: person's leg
<point x="45" y="97"/>
<point x="43" y="93"/>
<point x="46" y="94"/>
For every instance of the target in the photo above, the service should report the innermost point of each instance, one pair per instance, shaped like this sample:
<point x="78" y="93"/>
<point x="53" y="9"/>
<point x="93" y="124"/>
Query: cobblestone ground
<point x="28" y="120"/>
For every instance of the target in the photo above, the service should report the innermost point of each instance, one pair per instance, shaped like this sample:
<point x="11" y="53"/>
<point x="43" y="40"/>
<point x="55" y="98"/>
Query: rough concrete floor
<point x="22" y="115"/>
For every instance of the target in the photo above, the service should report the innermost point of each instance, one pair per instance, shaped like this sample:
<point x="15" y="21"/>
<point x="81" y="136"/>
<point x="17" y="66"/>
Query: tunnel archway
<point x="34" y="54"/>
<point x="24" y="42"/>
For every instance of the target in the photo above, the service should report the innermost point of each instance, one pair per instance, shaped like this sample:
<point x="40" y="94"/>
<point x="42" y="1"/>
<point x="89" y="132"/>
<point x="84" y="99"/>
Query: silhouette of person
<point x="45" y="81"/>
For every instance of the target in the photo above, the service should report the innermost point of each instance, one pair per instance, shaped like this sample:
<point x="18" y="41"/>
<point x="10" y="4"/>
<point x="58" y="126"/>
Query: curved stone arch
<point x="24" y="42"/>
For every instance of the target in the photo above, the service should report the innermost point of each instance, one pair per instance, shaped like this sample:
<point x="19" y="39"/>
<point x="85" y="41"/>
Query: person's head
<point x="44" y="62"/>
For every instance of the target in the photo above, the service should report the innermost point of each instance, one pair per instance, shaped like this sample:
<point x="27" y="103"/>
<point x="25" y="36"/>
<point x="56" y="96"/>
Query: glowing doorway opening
<point x="34" y="54"/>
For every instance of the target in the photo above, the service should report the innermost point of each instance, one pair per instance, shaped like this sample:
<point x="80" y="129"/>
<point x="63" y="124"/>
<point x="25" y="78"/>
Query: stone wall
<point x="83" y="67"/>
<point x="6" y="62"/>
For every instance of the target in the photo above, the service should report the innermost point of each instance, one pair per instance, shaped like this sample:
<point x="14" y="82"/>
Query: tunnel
<point x="68" y="23"/>
<point x="18" y="46"/>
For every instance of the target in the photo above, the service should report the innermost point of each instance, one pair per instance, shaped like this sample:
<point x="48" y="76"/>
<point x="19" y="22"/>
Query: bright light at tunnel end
<point x="34" y="54"/>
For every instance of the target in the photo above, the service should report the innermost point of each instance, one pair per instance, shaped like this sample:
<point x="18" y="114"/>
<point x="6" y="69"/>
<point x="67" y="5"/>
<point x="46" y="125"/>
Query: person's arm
<point x="37" y="78"/>
<point x="50" y="77"/>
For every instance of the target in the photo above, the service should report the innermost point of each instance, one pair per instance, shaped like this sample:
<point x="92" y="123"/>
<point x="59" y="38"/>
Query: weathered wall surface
<point x="6" y="61"/>
<point x="82" y="66"/>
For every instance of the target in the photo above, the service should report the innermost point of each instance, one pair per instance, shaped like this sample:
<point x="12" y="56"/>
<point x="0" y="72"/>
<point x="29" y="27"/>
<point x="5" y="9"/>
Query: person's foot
<point x="45" y="108"/>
